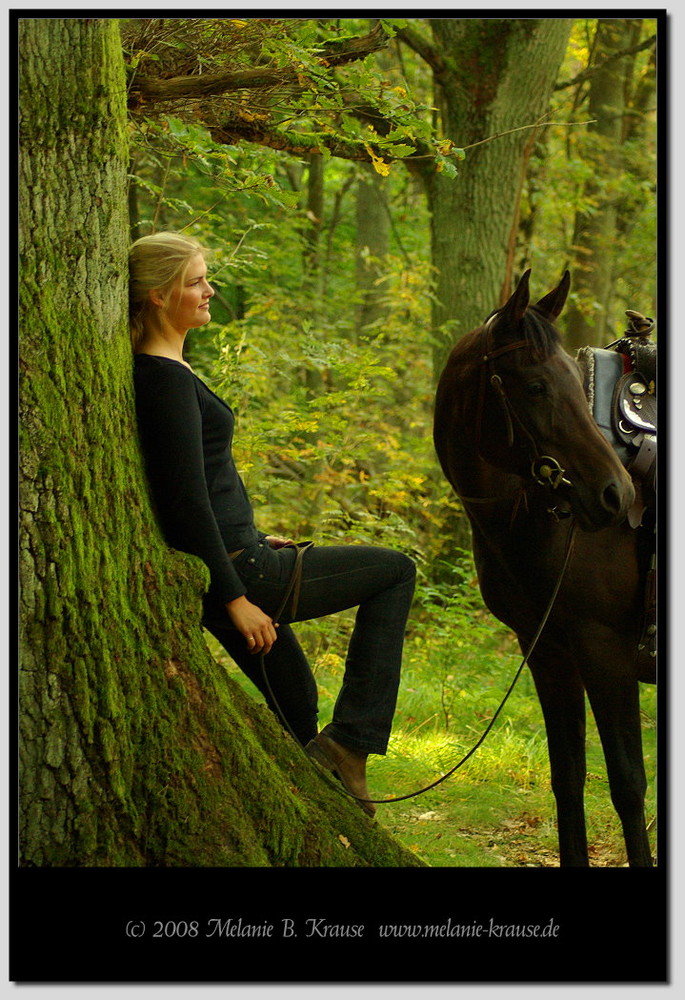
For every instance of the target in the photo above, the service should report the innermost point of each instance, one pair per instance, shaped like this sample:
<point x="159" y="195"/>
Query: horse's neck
<point x="499" y="504"/>
<point x="473" y="477"/>
<point x="483" y="481"/>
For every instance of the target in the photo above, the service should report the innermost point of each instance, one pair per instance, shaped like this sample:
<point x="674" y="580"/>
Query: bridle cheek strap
<point x="496" y="383"/>
<point x="544" y="469"/>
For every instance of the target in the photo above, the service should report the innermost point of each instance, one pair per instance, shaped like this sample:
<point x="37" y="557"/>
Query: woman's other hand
<point x="258" y="629"/>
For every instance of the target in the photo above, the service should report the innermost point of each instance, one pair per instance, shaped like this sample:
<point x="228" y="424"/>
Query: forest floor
<point x="494" y="818"/>
<point x="515" y="843"/>
<point x="498" y="810"/>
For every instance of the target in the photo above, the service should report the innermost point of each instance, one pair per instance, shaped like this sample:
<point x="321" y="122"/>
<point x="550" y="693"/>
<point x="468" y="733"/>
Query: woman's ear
<point x="156" y="297"/>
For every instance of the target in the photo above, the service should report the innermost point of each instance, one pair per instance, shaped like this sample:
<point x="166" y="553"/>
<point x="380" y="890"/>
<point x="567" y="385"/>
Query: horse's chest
<point x="518" y="576"/>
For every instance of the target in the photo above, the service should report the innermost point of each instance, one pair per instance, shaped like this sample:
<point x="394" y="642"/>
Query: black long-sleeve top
<point x="186" y="434"/>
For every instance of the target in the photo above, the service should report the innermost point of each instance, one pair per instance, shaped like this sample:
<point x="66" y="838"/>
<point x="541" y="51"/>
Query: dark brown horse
<point x="516" y="440"/>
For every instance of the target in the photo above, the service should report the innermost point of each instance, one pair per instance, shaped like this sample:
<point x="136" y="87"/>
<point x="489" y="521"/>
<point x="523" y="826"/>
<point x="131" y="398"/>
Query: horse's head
<point x="531" y="415"/>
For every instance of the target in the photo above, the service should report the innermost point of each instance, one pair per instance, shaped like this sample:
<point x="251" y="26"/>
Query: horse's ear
<point x="518" y="302"/>
<point x="552" y="303"/>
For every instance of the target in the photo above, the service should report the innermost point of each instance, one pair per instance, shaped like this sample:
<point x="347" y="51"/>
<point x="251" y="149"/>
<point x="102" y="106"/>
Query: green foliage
<point x="575" y="170"/>
<point x="305" y="85"/>
<point x="323" y="424"/>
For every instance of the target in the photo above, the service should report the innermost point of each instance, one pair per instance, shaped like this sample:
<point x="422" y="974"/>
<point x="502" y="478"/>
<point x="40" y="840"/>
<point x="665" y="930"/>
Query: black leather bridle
<point x="544" y="469"/>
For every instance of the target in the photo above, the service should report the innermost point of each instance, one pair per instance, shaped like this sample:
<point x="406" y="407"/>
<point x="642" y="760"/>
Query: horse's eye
<point x="536" y="388"/>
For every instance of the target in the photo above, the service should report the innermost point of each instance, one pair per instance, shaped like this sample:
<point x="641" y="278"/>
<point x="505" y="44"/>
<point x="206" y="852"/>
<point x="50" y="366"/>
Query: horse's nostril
<point x="611" y="498"/>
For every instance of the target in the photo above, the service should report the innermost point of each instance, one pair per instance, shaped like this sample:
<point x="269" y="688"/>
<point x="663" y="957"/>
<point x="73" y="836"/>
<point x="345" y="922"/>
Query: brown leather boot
<point x="348" y="766"/>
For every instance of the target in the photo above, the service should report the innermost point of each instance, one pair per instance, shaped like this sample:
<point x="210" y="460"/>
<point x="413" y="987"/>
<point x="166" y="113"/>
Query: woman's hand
<point x="258" y="629"/>
<point x="275" y="542"/>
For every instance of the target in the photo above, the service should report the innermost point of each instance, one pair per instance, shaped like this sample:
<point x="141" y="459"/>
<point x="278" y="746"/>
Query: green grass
<point x="497" y="810"/>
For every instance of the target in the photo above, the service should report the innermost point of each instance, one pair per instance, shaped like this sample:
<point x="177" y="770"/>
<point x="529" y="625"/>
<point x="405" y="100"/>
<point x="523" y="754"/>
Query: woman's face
<point x="186" y="306"/>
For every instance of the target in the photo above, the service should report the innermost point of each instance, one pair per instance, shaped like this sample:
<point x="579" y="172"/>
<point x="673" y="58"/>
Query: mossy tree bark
<point x="492" y="75"/>
<point x="135" y="747"/>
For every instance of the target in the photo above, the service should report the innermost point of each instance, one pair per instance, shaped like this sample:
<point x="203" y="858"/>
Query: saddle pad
<point x="601" y="370"/>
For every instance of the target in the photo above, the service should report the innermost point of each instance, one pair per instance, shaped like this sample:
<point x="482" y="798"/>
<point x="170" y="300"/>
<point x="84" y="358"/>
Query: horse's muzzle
<point x="606" y="506"/>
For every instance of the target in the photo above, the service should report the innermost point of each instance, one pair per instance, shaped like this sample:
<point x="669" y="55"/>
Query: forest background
<point x="369" y="191"/>
<point x="323" y="338"/>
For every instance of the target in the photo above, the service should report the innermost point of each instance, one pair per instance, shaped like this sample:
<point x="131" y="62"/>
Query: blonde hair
<point x="156" y="261"/>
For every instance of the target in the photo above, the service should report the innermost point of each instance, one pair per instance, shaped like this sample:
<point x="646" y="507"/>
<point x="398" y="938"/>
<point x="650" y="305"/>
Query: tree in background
<point x="617" y="191"/>
<point x="493" y="80"/>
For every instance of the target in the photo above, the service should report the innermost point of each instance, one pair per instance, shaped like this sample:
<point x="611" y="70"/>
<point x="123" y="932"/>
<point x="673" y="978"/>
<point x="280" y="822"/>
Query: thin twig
<point x="234" y="251"/>
<point x="160" y="199"/>
<point x="422" y="724"/>
<point x="203" y="214"/>
<point x="498" y="135"/>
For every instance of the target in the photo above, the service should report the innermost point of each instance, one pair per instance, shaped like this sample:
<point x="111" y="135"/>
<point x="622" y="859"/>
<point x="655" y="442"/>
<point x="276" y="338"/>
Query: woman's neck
<point x="164" y="344"/>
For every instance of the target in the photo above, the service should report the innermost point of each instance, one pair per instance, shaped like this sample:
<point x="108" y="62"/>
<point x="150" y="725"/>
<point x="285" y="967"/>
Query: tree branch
<point x="521" y="128"/>
<point x="232" y="126"/>
<point x="423" y="48"/>
<point x="588" y="73"/>
<point x="334" y="53"/>
<point x="207" y="84"/>
<point x="298" y="143"/>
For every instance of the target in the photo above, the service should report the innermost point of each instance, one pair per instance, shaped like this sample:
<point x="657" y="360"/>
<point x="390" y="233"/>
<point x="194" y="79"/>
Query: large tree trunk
<point x="135" y="748"/>
<point x="493" y="75"/>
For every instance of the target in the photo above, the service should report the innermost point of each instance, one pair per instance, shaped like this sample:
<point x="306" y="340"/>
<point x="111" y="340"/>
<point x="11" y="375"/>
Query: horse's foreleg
<point x="615" y="702"/>
<point x="562" y="699"/>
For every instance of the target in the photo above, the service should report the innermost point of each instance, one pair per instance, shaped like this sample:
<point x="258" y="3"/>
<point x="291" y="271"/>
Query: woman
<point x="186" y="435"/>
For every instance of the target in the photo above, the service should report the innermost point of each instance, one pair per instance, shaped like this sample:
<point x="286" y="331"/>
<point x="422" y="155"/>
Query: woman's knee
<point x="406" y="567"/>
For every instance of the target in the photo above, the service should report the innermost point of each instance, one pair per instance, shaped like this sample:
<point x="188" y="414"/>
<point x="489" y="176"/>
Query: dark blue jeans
<point x="380" y="583"/>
